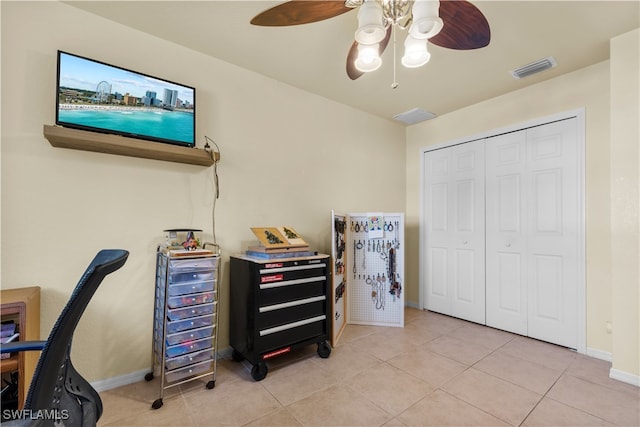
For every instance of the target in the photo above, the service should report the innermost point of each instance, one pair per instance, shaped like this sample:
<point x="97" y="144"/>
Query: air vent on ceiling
<point x="414" y="116"/>
<point x="534" y="67"/>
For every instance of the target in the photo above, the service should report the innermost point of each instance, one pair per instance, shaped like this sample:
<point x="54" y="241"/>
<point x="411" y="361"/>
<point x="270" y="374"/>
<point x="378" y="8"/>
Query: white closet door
<point x="454" y="207"/>
<point x="532" y="232"/>
<point x="506" y="209"/>
<point x="553" y="236"/>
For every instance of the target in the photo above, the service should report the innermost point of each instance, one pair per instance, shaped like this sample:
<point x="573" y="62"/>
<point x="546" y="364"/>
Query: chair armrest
<point x="22" y="346"/>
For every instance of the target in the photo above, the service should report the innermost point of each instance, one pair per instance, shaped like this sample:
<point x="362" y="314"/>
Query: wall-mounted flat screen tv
<point x="99" y="97"/>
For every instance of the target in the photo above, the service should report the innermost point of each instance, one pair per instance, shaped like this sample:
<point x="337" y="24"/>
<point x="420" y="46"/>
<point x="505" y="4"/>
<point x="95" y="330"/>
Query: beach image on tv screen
<point x="93" y="95"/>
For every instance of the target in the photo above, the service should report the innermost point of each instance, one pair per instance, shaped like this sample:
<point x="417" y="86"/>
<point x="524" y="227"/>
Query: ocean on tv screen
<point x="174" y="125"/>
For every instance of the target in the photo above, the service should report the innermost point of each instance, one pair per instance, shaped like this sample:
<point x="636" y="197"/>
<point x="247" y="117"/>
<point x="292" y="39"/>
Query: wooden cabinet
<point x="22" y="305"/>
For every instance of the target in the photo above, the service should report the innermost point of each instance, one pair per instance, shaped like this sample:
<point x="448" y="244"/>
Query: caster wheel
<point x="324" y="349"/>
<point x="211" y="384"/>
<point x="259" y="371"/>
<point x="157" y="404"/>
<point x="237" y="356"/>
<point x="149" y="376"/>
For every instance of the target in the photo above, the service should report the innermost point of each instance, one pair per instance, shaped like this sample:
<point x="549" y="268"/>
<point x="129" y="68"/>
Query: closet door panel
<point x="454" y="217"/>
<point x="437" y="295"/>
<point x="468" y="245"/>
<point x="506" y="243"/>
<point x="553" y="234"/>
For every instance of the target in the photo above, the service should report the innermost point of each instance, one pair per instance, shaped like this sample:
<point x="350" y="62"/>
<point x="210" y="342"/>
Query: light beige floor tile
<point x="281" y="418"/>
<point x="552" y="413"/>
<point x="390" y="388"/>
<point x="339" y="405"/>
<point x="597" y="371"/>
<point x="542" y="353"/>
<point x="354" y="332"/>
<point x="481" y="335"/>
<point x="414" y="315"/>
<point x="497" y="397"/>
<point x="461" y="351"/>
<point x="121" y="411"/>
<point x="428" y="366"/>
<point x="441" y="324"/>
<point x="442" y="409"/>
<point x="346" y="361"/>
<point x="617" y="407"/>
<point x="386" y="344"/>
<point x="230" y="403"/>
<point x="297" y="381"/>
<point x="524" y="373"/>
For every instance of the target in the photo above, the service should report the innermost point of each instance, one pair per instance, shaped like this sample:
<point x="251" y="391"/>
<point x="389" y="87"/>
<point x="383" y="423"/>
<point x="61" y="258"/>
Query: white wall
<point x="288" y="158"/>
<point x="625" y="202"/>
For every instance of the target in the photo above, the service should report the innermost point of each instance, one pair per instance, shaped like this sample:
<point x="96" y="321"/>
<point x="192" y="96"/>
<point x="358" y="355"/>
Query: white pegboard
<point x="375" y="251"/>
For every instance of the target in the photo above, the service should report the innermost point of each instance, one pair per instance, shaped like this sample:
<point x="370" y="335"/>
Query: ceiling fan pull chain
<point x="395" y="83"/>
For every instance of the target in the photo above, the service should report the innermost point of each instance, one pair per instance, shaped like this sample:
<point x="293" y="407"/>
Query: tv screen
<point x="95" y="96"/>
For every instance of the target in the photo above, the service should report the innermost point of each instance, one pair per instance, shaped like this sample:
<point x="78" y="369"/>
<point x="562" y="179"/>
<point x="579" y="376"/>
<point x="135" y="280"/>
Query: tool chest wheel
<point x="259" y="371"/>
<point x="324" y="349"/>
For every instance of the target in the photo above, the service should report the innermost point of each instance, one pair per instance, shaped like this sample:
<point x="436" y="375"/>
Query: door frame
<point x="579" y="115"/>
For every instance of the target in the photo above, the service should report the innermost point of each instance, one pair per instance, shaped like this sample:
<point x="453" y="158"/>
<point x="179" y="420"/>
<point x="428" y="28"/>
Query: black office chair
<point x="58" y="395"/>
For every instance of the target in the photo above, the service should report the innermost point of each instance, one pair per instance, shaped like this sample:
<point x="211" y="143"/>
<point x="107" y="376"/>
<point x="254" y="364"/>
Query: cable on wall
<point x="216" y="159"/>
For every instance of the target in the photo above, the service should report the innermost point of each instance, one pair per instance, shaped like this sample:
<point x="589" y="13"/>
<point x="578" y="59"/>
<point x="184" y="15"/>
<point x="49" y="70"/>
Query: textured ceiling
<point x="312" y="56"/>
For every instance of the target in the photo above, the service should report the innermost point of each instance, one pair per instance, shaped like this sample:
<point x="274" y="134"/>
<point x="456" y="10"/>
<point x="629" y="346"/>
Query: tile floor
<point x="436" y="371"/>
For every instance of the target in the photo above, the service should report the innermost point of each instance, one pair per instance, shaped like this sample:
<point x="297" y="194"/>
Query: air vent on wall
<point x="414" y="116"/>
<point x="534" y="67"/>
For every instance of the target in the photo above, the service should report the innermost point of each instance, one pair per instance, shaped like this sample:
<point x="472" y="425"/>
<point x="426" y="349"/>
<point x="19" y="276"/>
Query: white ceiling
<point x="312" y="56"/>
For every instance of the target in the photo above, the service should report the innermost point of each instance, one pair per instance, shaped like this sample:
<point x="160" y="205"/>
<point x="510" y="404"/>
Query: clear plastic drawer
<point x="189" y="371"/>
<point x="182" y="265"/>
<point x="189" y="359"/>
<point x="188" y="347"/>
<point x="191" y="276"/>
<point x="193" y="311"/>
<point x="190" y="335"/>
<point x="194" y="322"/>
<point x="191" y="287"/>
<point x="191" y="299"/>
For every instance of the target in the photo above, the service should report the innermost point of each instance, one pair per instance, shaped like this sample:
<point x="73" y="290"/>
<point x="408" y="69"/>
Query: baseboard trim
<point x="599" y="354"/>
<point x="134" y="377"/>
<point x="625" y="377"/>
<point x="109" y="383"/>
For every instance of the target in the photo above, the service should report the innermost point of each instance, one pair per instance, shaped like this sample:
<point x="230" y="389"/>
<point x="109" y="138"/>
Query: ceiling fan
<point x="452" y="24"/>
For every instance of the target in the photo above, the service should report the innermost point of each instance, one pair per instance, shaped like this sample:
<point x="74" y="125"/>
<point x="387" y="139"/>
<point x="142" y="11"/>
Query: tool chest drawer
<point x="278" y="292"/>
<point x="278" y="306"/>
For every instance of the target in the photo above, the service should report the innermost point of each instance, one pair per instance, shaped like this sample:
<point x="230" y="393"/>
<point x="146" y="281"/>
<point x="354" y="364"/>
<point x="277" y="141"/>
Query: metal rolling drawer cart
<point x="278" y="305"/>
<point x="185" y="318"/>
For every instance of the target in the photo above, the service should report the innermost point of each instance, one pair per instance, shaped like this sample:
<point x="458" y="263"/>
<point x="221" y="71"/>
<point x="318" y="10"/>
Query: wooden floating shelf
<point x="62" y="137"/>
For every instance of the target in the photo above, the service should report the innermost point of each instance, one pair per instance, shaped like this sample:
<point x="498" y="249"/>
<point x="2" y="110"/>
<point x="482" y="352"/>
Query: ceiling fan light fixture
<point x="426" y="19"/>
<point x="368" y="57"/>
<point x="370" y="23"/>
<point x="415" y="52"/>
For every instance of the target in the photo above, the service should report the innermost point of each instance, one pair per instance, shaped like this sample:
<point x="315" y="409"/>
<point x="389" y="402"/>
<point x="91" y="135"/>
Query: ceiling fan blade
<point x="465" y="27"/>
<point x="352" y="71"/>
<point x="298" y="12"/>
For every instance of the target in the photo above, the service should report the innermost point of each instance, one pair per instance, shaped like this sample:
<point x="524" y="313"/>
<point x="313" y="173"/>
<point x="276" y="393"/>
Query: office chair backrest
<point x="56" y="387"/>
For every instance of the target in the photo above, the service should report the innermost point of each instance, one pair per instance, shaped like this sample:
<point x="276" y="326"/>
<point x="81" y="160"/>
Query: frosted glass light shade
<point x="426" y="20"/>
<point x="368" y="57"/>
<point x="415" y="52"/>
<point x="370" y="23"/>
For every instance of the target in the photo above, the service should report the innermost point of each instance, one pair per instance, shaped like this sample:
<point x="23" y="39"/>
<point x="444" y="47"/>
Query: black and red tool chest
<point x="278" y="306"/>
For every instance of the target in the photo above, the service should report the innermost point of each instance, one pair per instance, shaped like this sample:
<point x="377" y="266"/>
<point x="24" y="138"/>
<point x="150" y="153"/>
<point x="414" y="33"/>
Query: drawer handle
<point x="291" y="304"/>
<point x="291" y="325"/>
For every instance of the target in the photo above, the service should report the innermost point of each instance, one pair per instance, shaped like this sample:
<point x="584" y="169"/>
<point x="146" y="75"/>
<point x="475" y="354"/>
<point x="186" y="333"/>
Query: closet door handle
<point x="508" y="244"/>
